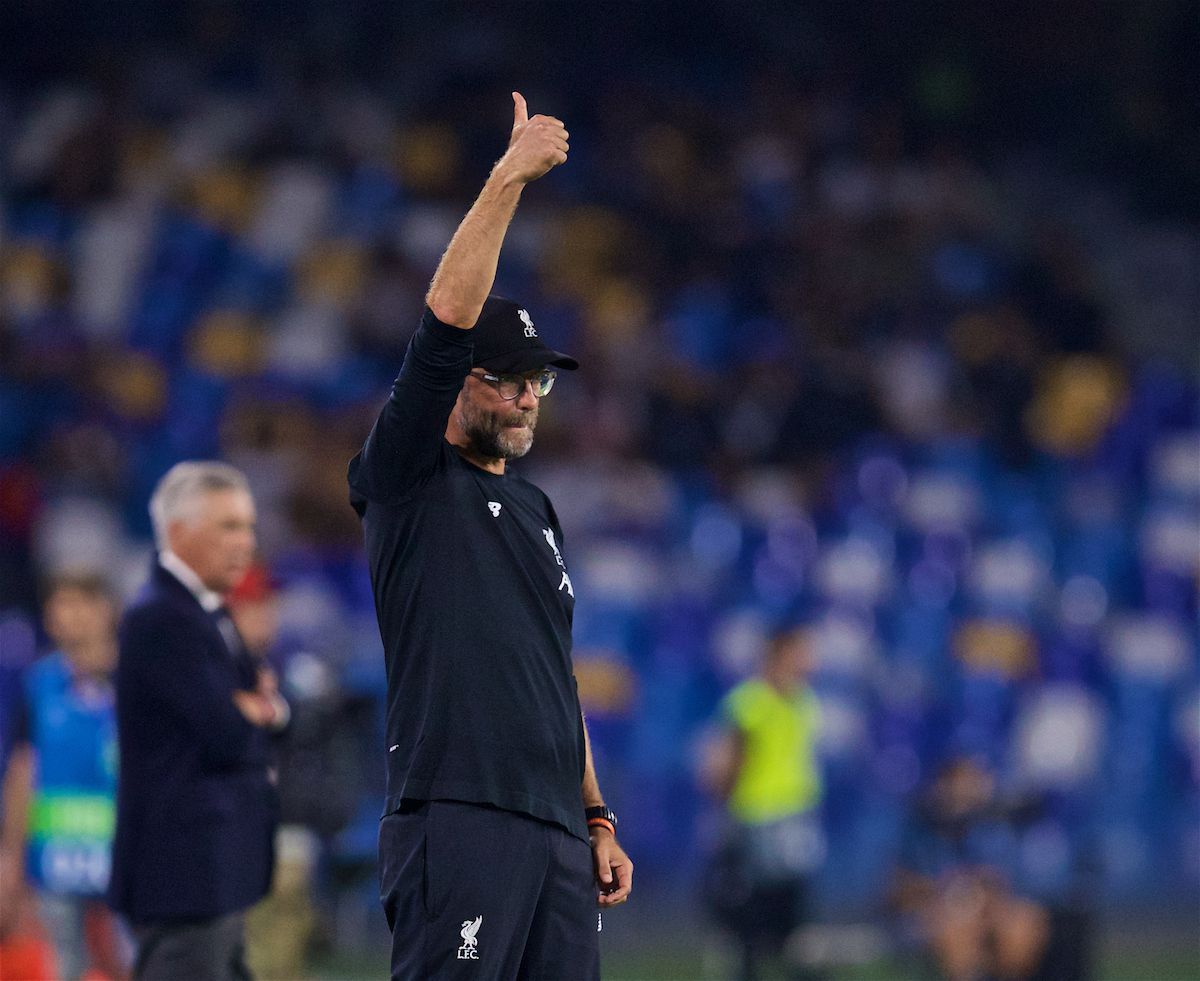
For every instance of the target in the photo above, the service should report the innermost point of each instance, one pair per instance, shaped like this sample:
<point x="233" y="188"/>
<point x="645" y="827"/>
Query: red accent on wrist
<point x="594" y="822"/>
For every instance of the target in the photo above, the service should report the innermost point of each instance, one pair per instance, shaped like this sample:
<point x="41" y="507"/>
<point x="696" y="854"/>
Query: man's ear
<point x="464" y="395"/>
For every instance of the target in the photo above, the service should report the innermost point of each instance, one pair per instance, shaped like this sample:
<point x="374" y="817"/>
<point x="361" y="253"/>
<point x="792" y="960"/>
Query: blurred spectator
<point x="254" y="609"/>
<point x="954" y="886"/>
<point x="197" y="808"/>
<point x="278" y="928"/>
<point x="61" y="787"/>
<point x="764" y="767"/>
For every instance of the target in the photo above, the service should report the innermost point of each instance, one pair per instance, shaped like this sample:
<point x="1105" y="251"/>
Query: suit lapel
<point x="221" y="622"/>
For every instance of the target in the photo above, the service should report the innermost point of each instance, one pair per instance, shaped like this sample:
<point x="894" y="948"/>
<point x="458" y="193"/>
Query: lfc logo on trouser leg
<point x="469" y="950"/>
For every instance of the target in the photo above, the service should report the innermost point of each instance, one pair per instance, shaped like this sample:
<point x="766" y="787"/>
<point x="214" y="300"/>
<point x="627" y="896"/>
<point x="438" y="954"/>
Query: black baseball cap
<point x="507" y="341"/>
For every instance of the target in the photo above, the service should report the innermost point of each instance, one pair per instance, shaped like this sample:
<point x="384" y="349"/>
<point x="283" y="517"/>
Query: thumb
<point x="520" y="112"/>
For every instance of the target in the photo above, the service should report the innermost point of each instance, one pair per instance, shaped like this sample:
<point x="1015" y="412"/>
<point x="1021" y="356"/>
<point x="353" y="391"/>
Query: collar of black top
<point x="506" y="340"/>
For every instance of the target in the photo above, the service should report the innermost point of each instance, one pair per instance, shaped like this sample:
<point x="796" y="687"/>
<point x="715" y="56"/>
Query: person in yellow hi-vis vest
<point x="764" y="766"/>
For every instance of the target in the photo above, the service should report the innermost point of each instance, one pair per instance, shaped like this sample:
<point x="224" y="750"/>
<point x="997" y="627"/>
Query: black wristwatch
<point x="600" y="813"/>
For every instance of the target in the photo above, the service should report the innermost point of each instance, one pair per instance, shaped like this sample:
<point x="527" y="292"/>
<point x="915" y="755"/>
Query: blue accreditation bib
<point x="72" y="727"/>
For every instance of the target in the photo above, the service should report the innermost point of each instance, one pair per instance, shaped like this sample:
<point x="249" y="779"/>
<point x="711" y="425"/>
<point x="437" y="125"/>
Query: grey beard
<point x="487" y="434"/>
<point x="493" y="443"/>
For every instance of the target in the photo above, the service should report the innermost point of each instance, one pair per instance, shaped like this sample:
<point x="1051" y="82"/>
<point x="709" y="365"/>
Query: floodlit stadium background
<point x="888" y="317"/>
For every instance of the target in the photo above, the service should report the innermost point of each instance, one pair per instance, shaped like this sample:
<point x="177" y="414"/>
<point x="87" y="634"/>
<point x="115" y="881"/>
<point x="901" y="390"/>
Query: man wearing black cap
<point x="496" y="845"/>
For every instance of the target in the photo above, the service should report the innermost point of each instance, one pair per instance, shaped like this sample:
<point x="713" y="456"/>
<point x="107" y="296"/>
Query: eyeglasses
<point x="510" y="386"/>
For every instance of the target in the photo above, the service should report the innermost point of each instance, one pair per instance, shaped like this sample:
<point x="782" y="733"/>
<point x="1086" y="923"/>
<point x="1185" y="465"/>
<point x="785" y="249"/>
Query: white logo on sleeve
<point x="494" y="507"/>
<point x="469" y="949"/>
<point x="566" y="580"/>
<point x="530" y="330"/>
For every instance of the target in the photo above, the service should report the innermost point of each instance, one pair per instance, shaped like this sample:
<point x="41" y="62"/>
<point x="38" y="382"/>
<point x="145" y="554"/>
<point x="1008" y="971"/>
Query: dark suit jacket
<point x="196" y="812"/>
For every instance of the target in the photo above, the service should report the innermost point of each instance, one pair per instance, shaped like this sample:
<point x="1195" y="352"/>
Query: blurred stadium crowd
<point x="863" y="343"/>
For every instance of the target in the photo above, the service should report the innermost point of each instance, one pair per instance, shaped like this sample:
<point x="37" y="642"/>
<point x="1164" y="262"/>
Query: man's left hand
<point x="612" y="868"/>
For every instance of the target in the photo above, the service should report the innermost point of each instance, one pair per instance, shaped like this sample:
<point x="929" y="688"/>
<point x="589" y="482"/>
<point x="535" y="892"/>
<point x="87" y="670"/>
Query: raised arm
<point x="467" y="270"/>
<point x="402" y="447"/>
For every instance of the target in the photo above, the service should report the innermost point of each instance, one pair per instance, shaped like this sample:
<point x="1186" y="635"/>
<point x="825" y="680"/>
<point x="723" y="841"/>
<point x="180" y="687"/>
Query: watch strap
<point x="601" y="816"/>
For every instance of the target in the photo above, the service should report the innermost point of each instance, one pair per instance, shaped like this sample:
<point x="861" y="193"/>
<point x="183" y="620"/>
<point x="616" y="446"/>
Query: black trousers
<point x="212" y="950"/>
<point x="476" y="892"/>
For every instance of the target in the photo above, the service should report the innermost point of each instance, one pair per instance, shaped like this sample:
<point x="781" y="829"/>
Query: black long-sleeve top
<point x="474" y="606"/>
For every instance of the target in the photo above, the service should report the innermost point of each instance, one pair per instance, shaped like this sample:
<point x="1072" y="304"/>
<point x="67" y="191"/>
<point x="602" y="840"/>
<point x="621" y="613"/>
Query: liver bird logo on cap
<point x="530" y="330"/>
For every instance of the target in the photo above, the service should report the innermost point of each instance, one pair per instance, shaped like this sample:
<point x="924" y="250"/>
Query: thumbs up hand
<point x="520" y="110"/>
<point x="536" y="144"/>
